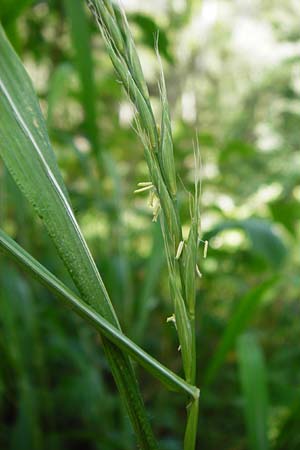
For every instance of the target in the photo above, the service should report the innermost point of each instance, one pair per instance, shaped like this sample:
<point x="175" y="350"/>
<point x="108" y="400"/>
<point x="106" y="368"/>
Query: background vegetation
<point x="233" y="76"/>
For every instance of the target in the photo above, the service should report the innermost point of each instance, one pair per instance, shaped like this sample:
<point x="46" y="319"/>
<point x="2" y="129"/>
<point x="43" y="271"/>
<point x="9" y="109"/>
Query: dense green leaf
<point x="144" y="302"/>
<point x="288" y="433"/>
<point x="149" y="29"/>
<point x="236" y="149"/>
<point x="80" y="34"/>
<point x="58" y="85"/>
<point x="17" y="306"/>
<point x="10" y="11"/>
<point x="242" y="315"/>
<point x="253" y="379"/>
<point x="286" y="210"/>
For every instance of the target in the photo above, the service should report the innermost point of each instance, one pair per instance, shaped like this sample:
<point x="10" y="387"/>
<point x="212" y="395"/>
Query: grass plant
<point x="28" y="155"/>
<point x="123" y="248"/>
<point x="158" y="149"/>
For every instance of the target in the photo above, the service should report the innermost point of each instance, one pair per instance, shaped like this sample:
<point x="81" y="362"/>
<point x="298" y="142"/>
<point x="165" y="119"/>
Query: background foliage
<point x="233" y="78"/>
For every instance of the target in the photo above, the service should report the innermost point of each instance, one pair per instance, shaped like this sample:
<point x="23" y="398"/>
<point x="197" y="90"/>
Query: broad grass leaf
<point x="19" y="105"/>
<point x="149" y="29"/>
<point x="81" y="40"/>
<point x="253" y="378"/>
<point x="58" y="86"/>
<point x="264" y="240"/>
<point x="242" y="315"/>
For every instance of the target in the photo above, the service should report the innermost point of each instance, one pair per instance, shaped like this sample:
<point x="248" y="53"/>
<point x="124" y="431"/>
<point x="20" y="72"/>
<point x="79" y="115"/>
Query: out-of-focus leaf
<point x="57" y="87"/>
<point x="19" y="338"/>
<point x="289" y="436"/>
<point x="149" y="29"/>
<point x="241" y="317"/>
<point x="207" y="139"/>
<point x="265" y="241"/>
<point x="81" y="40"/>
<point x="144" y="302"/>
<point x="285" y="210"/>
<point x="237" y="149"/>
<point x="253" y="379"/>
<point x="10" y="10"/>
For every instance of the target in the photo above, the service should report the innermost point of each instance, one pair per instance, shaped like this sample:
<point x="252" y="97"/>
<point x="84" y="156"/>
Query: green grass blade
<point x="152" y="274"/>
<point x="18" y="339"/>
<point x="264" y="240"/>
<point x="254" y="387"/>
<point x="80" y="35"/>
<point x="27" y="262"/>
<point x="58" y="85"/>
<point x="18" y="94"/>
<point x="31" y="162"/>
<point x="241" y="317"/>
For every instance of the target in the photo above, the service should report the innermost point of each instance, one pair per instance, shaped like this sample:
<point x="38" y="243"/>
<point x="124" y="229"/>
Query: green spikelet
<point x="166" y="142"/>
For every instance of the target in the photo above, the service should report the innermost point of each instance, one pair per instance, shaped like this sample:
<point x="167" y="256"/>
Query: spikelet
<point x="159" y="154"/>
<point x="166" y="141"/>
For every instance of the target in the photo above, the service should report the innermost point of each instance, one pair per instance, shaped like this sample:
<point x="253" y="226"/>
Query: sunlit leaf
<point x="149" y="29"/>
<point x="264" y="239"/>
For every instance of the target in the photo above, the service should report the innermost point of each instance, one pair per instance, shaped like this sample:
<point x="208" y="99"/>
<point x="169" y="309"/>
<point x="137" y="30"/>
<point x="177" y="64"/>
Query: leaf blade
<point x="28" y="263"/>
<point x="13" y="78"/>
<point x="241" y="317"/>
<point x="252" y="373"/>
<point x="78" y="20"/>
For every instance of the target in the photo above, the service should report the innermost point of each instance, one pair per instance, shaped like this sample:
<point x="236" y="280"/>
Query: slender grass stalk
<point x="158" y="150"/>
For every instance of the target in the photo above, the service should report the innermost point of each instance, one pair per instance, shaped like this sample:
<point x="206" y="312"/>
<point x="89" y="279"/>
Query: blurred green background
<point x="233" y="77"/>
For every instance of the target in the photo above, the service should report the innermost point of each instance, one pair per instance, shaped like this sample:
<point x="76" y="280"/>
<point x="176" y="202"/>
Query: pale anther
<point x="171" y="319"/>
<point x="145" y="183"/>
<point x="146" y="188"/>
<point x="179" y="249"/>
<point x="205" y="249"/>
<point x="198" y="272"/>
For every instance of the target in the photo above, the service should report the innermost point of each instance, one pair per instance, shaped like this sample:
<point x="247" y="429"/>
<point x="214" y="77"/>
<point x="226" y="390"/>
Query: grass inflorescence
<point x="27" y="153"/>
<point x="159" y="153"/>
